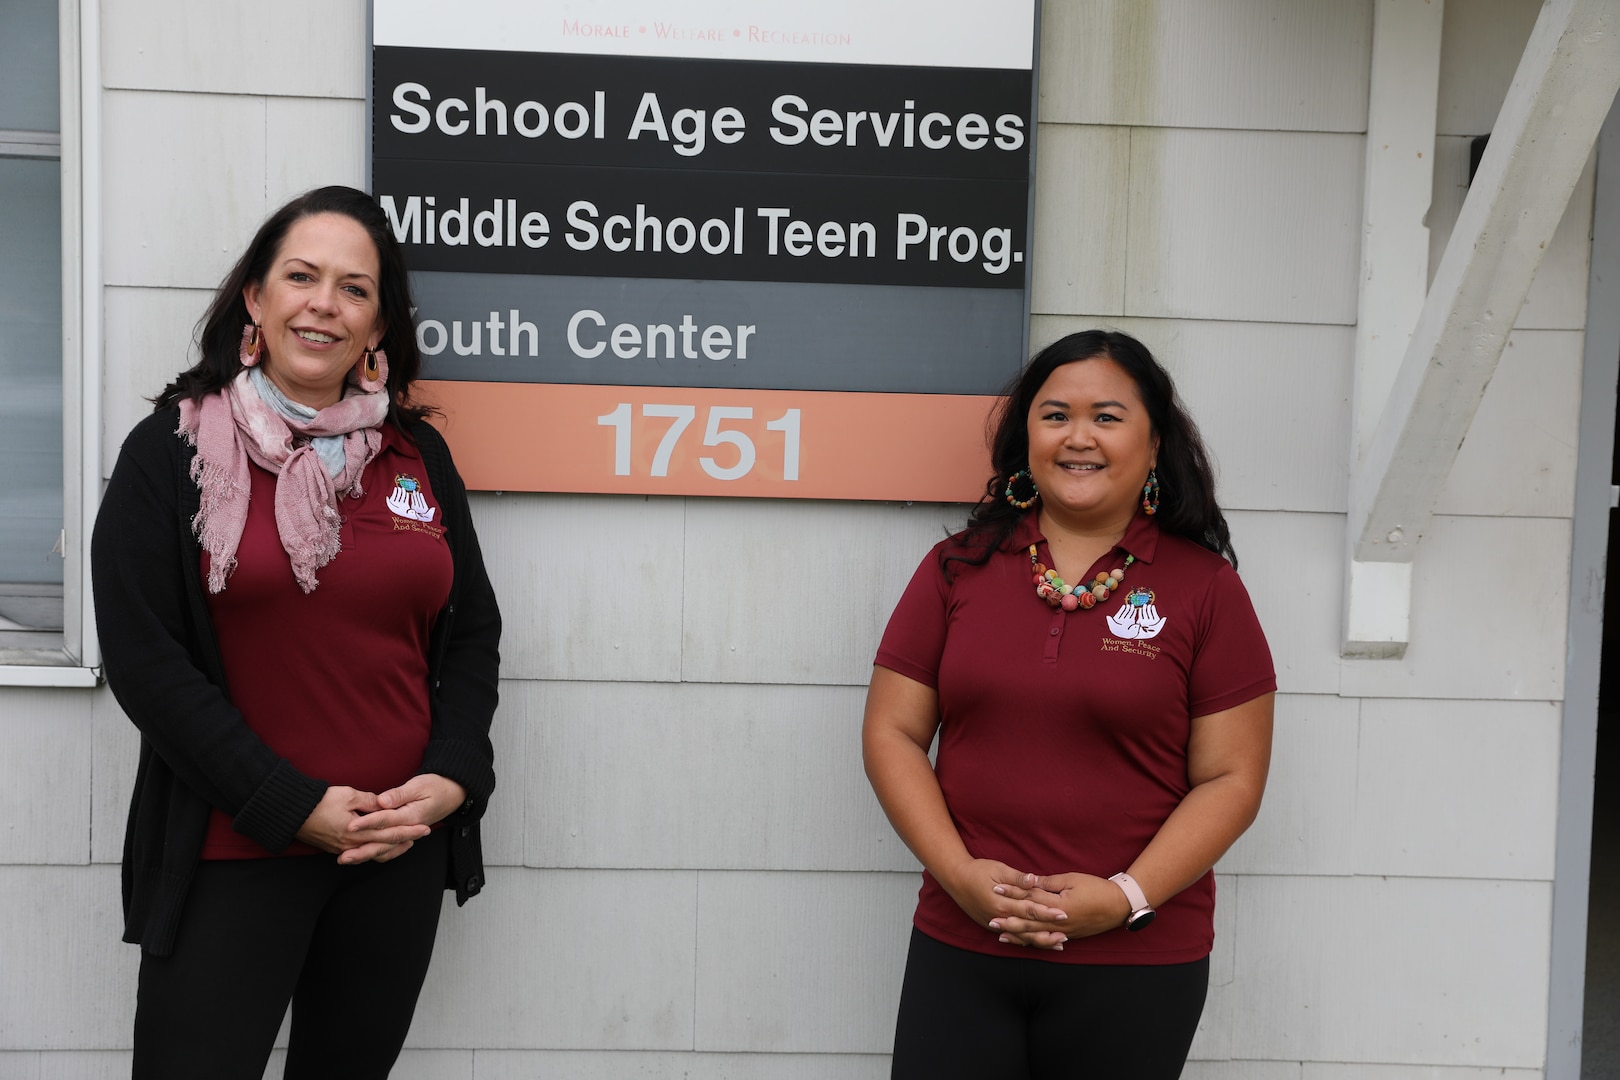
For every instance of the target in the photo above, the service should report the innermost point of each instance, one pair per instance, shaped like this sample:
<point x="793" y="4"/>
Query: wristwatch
<point x="1141" y="911"/>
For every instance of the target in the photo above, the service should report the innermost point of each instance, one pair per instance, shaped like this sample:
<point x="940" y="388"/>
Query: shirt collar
<point x="1141" y="537"/>
<point x="397" y="441"/>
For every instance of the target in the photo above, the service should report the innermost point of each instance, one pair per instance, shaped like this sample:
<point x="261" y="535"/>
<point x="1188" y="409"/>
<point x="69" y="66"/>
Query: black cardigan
<point x="164" y="667"/>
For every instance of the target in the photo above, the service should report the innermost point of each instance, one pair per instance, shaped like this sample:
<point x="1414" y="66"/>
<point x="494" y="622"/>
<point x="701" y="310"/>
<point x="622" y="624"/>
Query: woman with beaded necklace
<point x="1102" y="694"/>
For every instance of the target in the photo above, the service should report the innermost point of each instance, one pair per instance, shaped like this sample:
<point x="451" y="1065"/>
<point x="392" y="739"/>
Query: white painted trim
<point x="1404" y="91"/>
<point x="1378" y="610"/>
<point x="91" y="346"/>
<point x="1404" y="94"/>
<point x="80" y="143"/>
<point x="45" y="675"/>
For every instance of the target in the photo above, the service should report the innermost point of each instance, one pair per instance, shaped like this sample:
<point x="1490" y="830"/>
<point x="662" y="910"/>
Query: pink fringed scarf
<point x="234" y="426"/>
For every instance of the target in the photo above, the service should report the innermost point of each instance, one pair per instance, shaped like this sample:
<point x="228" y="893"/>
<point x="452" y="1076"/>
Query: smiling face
<point x="317" y="307"/>
<point x="1091" y="444"/>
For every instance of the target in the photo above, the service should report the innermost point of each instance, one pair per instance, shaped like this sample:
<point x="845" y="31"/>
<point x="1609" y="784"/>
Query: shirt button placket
<point x="1054" y="636"/>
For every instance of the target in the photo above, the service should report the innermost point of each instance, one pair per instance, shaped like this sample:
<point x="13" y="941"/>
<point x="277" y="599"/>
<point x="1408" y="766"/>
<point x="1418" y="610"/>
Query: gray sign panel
<point x="730" y="334"/>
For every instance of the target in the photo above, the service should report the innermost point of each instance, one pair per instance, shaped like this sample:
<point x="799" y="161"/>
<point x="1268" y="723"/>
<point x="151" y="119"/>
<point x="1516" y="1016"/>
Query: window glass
<point x="28" y="93"/>
<point x="31" y="450"/>
<point x="30" y="370"/>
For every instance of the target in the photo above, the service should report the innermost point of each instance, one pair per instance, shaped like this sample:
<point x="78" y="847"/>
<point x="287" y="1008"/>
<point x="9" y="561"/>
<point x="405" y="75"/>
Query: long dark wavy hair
<point x="219" y="334"/>
<point x="1187" y="504"/>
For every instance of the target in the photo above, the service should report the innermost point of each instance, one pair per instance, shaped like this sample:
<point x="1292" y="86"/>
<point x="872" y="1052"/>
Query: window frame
<point x="79" y="25"/>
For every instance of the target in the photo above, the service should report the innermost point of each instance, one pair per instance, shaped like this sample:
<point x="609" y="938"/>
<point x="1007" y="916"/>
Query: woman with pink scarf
<point x="294" y="612"/>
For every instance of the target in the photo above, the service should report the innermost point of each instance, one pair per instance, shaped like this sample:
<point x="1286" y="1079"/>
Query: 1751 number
<point x="681" y="417"/>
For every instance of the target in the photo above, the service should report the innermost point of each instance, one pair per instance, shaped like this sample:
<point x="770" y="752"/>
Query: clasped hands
<point x="1032" y="910"/>
<point x="358" y="826"/>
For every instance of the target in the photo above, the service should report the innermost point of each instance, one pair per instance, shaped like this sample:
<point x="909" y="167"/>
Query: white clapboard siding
<point x="505" y="821"/>
<point x="1481" y="42"/>
<point x="115" y="749"/>
<point x="1428" y="971"/>
<point x="801" y="963"/>
<point x="412" y="1064"/>
<point x="65" y="1065"/>
<point x="1468" y="641"/>
<point x="1307" y="822"/>
<point x="1079" y="245"/>
<point x="715" y="894"/>
<point x="68" y="984"/>
<point x="1241" y="1070"/>
<point x="589" y="585"/>
<point x="700" y="776"/>
<point x="1557" y="297"/>
<point x="503" y="824"/>
<point x="1518" y="459"/>
<point x="792" y="591"/>
<point x="420" y="1065"/>
<point x="1213" y="1038"/>
<point x="149" y="341"/>
<point x="1337" y="1071"/>
<point x="1292" y="565"/>
<point x="1223" y="957"/>
<point x="183" y="186"/>
<point x="44" y="776"/>
<point x="645" y="1065"/>
<point x="1192" y="64"/>
<point x="290" y="167"/>
<point x="565" y="959"/>
<point x="313" y="48"/>
<point x="1457" y="788"/>
<point x="1245" y="225"/>
<point x="1271" y="400"/>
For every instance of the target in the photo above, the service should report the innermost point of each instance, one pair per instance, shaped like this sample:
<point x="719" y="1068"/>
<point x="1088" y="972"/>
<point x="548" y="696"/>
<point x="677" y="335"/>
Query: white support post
<point x="1565" y="83"/>
<point x="1402" y="104"/>
<point x="1378" y="610"/>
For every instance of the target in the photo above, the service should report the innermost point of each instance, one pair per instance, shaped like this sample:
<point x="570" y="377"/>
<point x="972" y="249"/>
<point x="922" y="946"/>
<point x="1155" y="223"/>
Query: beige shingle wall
<point x="689" y="877"/>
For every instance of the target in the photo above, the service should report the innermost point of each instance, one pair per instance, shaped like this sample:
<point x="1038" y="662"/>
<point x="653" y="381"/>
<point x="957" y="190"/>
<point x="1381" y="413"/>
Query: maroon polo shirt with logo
<point x="335" y="681"/>
<point x="1063" y="735"/>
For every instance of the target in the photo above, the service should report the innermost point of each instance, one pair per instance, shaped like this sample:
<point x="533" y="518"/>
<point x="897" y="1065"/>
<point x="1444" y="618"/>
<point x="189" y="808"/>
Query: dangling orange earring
<point x="371" y="373"/>
<point x="252" y="341"/>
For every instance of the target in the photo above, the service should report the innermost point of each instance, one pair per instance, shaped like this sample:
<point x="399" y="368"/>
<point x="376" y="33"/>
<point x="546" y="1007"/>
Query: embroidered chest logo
<point x="407" y="499"/>
<point x="1137" y="619"/>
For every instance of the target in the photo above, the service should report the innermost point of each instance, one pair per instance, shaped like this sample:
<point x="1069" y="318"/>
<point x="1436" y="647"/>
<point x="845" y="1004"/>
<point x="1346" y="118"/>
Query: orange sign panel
<point x="655" y="440"/>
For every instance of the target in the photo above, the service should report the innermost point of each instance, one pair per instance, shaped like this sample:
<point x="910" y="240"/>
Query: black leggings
<point x="971" y="1015"/>
<point x="348" y="945"/>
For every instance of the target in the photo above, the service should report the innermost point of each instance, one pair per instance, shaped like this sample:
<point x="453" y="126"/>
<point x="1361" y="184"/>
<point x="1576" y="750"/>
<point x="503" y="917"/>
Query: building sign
<point x="709" y="247"/>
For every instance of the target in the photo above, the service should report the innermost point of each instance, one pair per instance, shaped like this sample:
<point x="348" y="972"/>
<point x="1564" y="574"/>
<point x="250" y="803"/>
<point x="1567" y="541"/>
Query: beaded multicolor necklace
<point x="1059" y="593"/>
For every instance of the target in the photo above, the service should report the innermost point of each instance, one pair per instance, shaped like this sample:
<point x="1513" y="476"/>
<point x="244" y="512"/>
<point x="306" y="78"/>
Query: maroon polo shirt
<point x="335" y="681"/>
<point x="1063" y="735"/>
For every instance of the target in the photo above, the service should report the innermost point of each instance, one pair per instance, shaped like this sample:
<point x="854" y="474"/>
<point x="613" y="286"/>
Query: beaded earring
<point x="1150" y="493"/>
<point x="252" y="341"/>
<point x="1034" y="492"/>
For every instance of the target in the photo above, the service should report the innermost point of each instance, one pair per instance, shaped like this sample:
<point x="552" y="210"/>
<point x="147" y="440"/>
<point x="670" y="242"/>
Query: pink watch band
<point x="1141" y="911"/>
